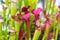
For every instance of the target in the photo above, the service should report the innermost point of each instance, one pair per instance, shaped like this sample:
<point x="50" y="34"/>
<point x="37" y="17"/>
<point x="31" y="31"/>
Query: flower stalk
<point x="26" y="18"/>
<point x="12" y="22"/>
<point x="36" y="34"/>
<point x="19" y="4"/>
<point x="48" y="25"/>
<point x="1" y="24"/>
<point x="36" y="13"/>
<point x="58" y="26"/>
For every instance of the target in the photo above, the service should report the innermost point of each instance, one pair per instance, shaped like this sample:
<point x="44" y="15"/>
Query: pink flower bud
<point x="28" y="7"/>
<point x="36" y="12"/>
<point x="21" y="33"/>
<point x="59" y="6"/>
<point x="24" y="9"/>
<point x="26" y="16"/>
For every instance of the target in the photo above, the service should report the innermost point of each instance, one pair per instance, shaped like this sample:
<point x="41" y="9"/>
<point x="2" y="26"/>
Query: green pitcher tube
<point x="19" y="4"/>
<point x="1" y="24"/>
<point x="17" y="28"/>
<point x="36" y="34"/>
<point x="7" y="2"/>
<point x="13" y="12"/>
<point x="12" y="21"/>
<point x="45" y="33"/>
<point x="33" y="4"/>
<point x="26" y="2"/>
<point x="56" y="33"/>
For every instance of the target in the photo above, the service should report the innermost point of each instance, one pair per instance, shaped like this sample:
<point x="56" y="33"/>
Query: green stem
<point x="28" y="30"/>
<point x="47" y="5"/>
<point x="32" y="4"/>
<point x="17" y="28"/>
<point x="53" y="8"/>
<point x="0" y="31"/>
<point x="26" y="2"/>
<point x="54" y="24"/>
<point x="19" y="4"/>
<point x="5" y="23"/>
<point x="45" y="33"/>
<point x="7" y="2"/>
<point x="56" y="36"/>
<point x="28" y="36"/>
<point x="13" y="12"/>
<point x="50" y="4"/>
<point x="12" y="37"/>
<point x="36" y="34"/>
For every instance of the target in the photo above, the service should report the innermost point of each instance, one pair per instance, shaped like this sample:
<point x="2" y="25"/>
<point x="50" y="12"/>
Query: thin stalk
<point x="13" y="12"/>
<point x="12" y="22"/>
<point x="53" y="7"/>
<point x="1" y="31"/>
<point x="19" y="4"/>
<point x="47" y="5"/>
<point x="45" y="33"/>
<point x="12" y="37"/>
<point x="56" y="36"/>
<point x="26" y="2"/>
<point x="54" y="24"/>
<point x="25" y="30"/>
<point x="50" y="4"/>
<point x="36" y="34"/>
<point x="17" y="28"/>
<point x="28" y="30"/>
<point x="33" y="4"/>
<point x="4" y="24"/>
<point x="7" y="2"/>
